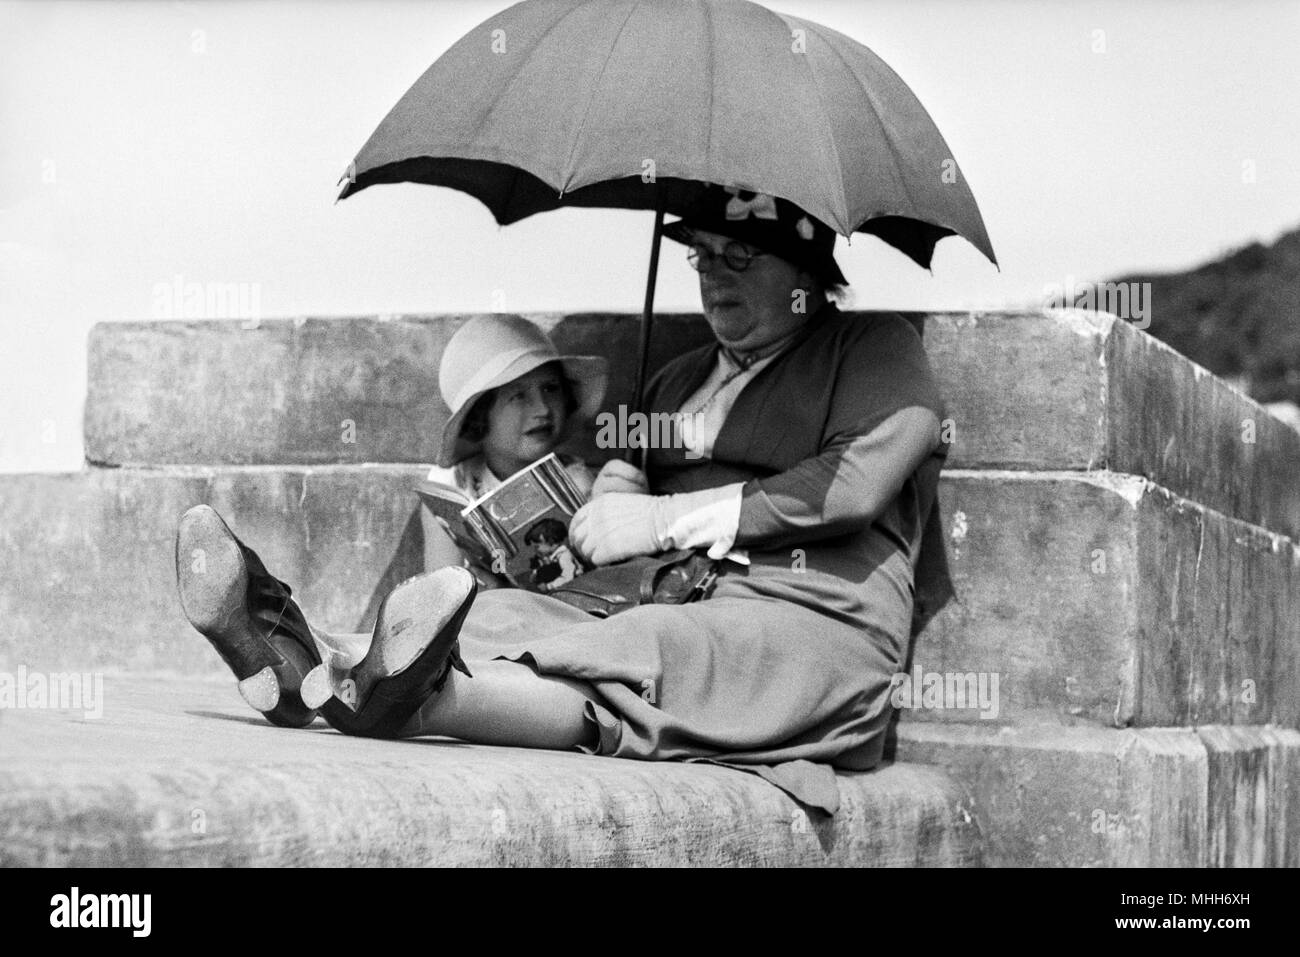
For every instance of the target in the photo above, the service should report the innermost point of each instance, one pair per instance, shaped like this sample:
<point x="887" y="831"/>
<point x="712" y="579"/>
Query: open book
<point x="520" y="528"/>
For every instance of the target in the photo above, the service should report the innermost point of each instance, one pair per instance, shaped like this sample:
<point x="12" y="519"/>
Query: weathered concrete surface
<point x="1091" y="597"/>
<point x="180" y="772"/>
<point x="1104" y="598"/>
<point x="1254" y="796"/>
<point x="1071" y="389"/>
<point x="1075" y="390"/>
<point x="90" y="580"/>
<point x="310" y="391"/>
<point x="1051" y="796"/>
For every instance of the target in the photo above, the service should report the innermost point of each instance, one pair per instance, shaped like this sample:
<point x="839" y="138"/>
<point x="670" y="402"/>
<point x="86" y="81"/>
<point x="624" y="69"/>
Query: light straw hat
<point x="489" y="351"/>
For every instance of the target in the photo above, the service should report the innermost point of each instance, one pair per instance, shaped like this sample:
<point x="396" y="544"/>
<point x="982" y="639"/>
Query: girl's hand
<point x="620" y="477"/>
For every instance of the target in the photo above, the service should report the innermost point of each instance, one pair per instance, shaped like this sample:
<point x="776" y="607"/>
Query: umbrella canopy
<point x="636" y="104"/>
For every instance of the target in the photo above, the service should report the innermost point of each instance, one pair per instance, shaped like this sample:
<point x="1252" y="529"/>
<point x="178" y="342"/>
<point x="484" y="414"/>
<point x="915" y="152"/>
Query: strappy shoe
<point x="414" y="648"/>
<point x="248" y="616"/>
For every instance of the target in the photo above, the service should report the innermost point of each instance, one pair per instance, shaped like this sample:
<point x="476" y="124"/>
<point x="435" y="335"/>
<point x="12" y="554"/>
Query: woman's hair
<point x="838" y="293"/>
<point x="475" y="426"/>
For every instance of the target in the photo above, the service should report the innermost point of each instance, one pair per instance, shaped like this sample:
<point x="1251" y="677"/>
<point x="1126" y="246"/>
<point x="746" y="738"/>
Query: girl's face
<point x="526" y="420"/>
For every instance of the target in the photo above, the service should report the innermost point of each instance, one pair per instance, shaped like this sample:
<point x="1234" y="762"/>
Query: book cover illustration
<point x="521" y="528"/>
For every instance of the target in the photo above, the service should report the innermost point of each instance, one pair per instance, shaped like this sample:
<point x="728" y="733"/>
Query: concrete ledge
<point x="1105" y="598"/>
<point x="1083" y="390"/>
<point x="310" y="391"/>
<point x="1049" y="796"/>
<point x="1080" y="390"/>
<point x="1092" y="597"/>
<point x="1254" y="796"/>
<point x="179" y="772"/>
<point x="91" y="569"/>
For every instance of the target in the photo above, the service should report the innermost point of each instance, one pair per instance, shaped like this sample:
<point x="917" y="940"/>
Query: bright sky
<point x="140" y="142"/>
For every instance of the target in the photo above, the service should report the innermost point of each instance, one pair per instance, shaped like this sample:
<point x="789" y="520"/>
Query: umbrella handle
<point x="647" y="319"/>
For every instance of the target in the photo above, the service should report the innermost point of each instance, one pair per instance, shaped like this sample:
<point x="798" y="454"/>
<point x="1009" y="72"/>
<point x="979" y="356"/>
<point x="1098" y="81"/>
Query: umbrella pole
<point x="647" y="319"/>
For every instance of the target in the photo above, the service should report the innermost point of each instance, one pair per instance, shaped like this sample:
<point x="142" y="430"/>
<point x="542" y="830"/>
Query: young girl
<point x="513" y="400"/>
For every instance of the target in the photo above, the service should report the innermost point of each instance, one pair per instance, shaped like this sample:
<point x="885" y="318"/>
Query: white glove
<point x="708" y="519"/>
<point x="620" y="476"/>
<point x="614" y="527"/>
<point x="620" y="525"/>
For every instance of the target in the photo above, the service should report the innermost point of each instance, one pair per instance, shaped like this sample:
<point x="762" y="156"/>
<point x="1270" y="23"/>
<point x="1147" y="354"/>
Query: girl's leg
<point x="508" y="703"/>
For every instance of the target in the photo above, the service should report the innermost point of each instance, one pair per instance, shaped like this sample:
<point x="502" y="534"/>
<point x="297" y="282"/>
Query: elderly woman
<point x="810" y="470"/>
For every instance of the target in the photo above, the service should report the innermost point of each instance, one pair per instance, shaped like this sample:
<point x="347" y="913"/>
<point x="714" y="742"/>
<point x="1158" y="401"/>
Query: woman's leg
<point x="508" y="703"/>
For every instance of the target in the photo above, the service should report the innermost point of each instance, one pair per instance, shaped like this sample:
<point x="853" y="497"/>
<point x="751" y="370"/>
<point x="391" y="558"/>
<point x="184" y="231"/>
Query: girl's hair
<point x="475" y="426"/>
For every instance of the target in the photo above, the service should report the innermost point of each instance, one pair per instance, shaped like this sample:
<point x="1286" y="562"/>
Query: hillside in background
<point x="1238" y="316"/>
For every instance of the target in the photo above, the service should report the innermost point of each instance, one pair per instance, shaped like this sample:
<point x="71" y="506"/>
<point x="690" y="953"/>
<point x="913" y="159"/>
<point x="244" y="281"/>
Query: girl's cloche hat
<point x="489" y="351"/>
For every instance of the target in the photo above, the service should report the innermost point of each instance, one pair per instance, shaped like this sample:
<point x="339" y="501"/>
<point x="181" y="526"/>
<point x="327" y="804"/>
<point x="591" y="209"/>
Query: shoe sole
<point x="416" y="631"/>
<point x="213" y="581"/>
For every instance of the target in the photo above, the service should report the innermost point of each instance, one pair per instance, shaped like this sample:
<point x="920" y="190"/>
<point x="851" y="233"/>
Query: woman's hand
<point x="618" y="476"/>
<point x="615" y="526"/>
<point x="618" y="525"/>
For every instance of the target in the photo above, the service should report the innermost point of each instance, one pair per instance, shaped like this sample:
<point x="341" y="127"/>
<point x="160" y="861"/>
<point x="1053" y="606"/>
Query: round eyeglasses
<point x="736" y="255"/>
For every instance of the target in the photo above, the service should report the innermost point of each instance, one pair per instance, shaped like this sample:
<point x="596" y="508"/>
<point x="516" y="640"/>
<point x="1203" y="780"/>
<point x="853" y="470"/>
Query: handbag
<point x="671" y="578"/>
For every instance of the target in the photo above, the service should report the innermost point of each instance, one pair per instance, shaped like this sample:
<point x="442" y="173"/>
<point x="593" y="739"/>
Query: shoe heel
<point x="261" y="691"/>
<point x="414" y="647"/>
<point x="339" y="654"/>
<point x="324" y="683"/>
<point x="289" y="710"/>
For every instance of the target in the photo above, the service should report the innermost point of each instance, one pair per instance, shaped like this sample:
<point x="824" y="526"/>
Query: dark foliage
<point x="1238" y="316"/>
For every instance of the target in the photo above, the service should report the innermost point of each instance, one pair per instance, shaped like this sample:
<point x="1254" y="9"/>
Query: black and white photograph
<point x="651" y="434"/>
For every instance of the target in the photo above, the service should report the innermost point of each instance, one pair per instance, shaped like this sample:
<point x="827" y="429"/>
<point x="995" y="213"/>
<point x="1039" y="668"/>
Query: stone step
<point x="1090" y="597"/>
<point x="309" y="391"/>
<point x="178" y="772"/>
<point x="1072" y="389"/>
<point x="1032" y="390"/>
<point x="1051" y="796"/>
<point x="1105" y="598"/>
<point x="91" y="566"/>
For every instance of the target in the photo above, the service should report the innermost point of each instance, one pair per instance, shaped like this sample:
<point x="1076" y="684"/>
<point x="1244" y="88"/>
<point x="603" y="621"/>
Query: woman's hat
<point x="774" y="225"/>
<point x="489" y="351"/>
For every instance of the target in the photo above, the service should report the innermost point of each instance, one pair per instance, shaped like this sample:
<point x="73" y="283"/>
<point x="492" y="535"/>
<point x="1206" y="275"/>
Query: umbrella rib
<point x="710" y="46"/>
<point x="866" y="90"/>
<point x="566" y="174"/>
<point x="829" y="126"/>
<point x="519" y="71"/>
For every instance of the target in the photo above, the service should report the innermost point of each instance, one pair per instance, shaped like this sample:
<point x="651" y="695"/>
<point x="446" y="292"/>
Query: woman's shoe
<point x="414" y="647"/>
<point x="247" y="615"/>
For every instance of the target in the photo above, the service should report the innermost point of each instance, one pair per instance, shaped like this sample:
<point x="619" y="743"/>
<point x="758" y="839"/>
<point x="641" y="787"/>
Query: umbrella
<point x="638" y="104"/>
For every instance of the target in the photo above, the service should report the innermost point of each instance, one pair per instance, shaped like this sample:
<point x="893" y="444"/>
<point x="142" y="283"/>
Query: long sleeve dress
<point x="785" y="670"/>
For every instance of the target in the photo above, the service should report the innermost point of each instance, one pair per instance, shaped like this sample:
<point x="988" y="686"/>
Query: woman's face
<point x="748" y="310"/>
<point x="526" y="419"/>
